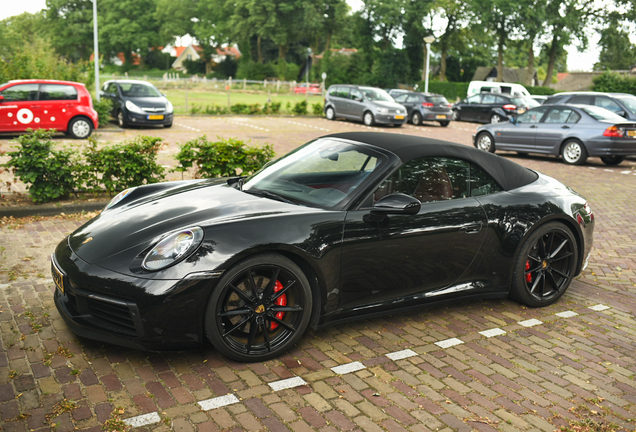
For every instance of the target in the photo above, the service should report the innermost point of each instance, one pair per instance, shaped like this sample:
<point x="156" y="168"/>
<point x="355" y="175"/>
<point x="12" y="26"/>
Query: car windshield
<point x="139" y="89"/>
<point x="322" y="173"/>
<point x="525" y="101"/>
<point x="602" y="114"/>
<point x="376" y="94"/>
<point x="629" y="102"/>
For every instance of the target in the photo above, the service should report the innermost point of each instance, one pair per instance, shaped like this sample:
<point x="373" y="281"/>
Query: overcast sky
<point x="576" y="61"/>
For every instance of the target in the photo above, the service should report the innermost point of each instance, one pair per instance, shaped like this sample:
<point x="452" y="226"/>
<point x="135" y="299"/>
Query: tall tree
<point x="500" y="16"/>
<point x="530" y="25"/>
<point x="617" y="51"/>
<point x="70" y="27"/>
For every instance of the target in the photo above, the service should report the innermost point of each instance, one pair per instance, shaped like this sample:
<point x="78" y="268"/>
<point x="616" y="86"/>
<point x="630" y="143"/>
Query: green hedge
<point x="541" y="91"/>
<point x="452" y="90"/>
<point x="614" y="83"/>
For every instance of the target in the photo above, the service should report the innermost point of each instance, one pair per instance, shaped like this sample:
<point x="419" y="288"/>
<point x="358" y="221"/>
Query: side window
<point x="21" y="92"/>
<point x="532" y="116"/>
<point x="558" y="115"/>
<point x="583" y="100"/>
<point x="112" y="88"/>
<point x="502" y="100"/>
<point x="574" y="117"/>
<point x="343" y="92"/>
<point x="481" y="183"/>
<point x="474" y="99"/>
<point x="355" y="94"/>
<point x="333" y="91"/>
<point x="489" y="99"/>
<point x="428" y="179"/>
<point x="413" y="98"/>
<point x="401" y="98"/>
<point x="606" y="103"/>
<point x="57" y="92"/>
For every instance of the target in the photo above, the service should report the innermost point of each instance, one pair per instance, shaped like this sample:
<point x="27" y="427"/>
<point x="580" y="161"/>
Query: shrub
<point x="241" y="108"/>
<point x="538" y="90"/>
<point x="614" y="83"/>
<point x="300" y="108"/>
<point x="317" y="109"/>
<point x="103" y="108"/>
<point x="124" y="165"/>
<point x="49" y="174"/>
<point x="272" y="108"/>
<point x="451" y="90"/>
<point x="223" y="158"/>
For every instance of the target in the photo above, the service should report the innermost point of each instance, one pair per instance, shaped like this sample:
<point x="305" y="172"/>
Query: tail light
<point x="510" y="107"/>
<point x="427" y="104"/>
<point x="614" y="131"/>
<point x="449" y="105"/>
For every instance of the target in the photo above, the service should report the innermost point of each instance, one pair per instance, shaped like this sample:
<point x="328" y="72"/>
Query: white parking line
<point x="218" y="402"/>
<point x="287" y="383"/>
<point x="399" y="355"/>
<point x="530" y="323"/>
<point x="189" y="127"/>
<point x="566" y="314"/>
<point x="348" y="368"/>
<point x="244" y="123"/>
<point x="306" y="125"/>
<point x="599" y="307"/>
<point x="143" y="420"/>
<point x="492" y="332"/>
<point x="449" y="343"/>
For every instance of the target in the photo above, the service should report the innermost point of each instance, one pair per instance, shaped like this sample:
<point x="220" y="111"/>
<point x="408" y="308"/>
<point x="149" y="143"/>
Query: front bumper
<point x="147" y="119"/>
<point x="145" y="314"/>
<point x="390" y="118"/>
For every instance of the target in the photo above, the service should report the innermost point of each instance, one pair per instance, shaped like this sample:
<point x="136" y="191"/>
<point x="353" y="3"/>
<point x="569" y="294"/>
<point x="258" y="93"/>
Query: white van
<point x="476" y="87"/>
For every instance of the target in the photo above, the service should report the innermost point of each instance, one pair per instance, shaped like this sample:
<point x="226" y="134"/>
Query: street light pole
<point x="428" y="40"/>
<point x="96" y="49"/>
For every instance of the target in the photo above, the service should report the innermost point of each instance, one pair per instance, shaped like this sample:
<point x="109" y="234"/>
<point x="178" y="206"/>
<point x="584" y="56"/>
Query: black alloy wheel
<point x="259" y="309"/>
<point x="546" y="265"/>
<point x="612" y="160"/>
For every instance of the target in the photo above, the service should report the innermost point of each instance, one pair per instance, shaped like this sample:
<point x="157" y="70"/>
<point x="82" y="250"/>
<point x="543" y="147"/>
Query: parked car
<point x="314" y="89"/>
<point x="491" y="107"/>
<point x="426" y="106"/>
<point x="511" y="89"/>
<point x="396" y="92"/>
<point x="370" y="105"/>
<point x="573" y="132"/>
<point x="47" y="104"/>
<point x="623" y="104"/>
<point x="539" y="98"/>
<point x="349" y="226"/>
<point x="138" y="103"/>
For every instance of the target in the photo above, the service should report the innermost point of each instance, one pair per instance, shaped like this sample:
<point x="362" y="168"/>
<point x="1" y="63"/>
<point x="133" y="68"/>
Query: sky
<point x="576" y="61"/>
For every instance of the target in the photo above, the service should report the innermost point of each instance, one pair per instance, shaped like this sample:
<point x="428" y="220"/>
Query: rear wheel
<point x="545" y="266"/>
<point x="259" y="309"/>
<point x="495" y="118"/>
<point x="444" y="123"/>
<point x="330" y="113"/>
<point x="80" y="128"/>
<point x="612" y="160"/>
<point x="485" y="142"/>
<point x="416" y="118"/>
<point x="456" y="115"/>
<point x="368" y="119"/>
<point x="574" y="153"/>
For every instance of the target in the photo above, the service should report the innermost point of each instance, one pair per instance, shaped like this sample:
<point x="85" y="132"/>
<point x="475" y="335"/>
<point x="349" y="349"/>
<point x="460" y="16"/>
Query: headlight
<point x="173" y="248"/>
<point x="133" y="108"/>
<point x="169" y="107"/>
<point x="120" y="196"/>
<point x="383" y="110"/>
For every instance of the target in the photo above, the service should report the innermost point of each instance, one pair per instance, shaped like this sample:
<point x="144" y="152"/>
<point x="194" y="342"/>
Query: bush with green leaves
<point x="103" y="108"/>
<point x="541" y="91"/>
<point x="48" y="174"/>
<point x="223" y="158"/>
<point x="272" y="108"/>
<point x="612" y="82"/>
<point x="317" y="109"/>
<point x="300" y="108"/>
<point x="451" y="90"/>
<point x="124" y="165"/>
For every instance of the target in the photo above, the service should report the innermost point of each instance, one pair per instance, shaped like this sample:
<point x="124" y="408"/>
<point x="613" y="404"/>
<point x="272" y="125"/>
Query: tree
<point x="617" y="51"/>
<point x="70" y="27"/>
<point x="531" y="17"/>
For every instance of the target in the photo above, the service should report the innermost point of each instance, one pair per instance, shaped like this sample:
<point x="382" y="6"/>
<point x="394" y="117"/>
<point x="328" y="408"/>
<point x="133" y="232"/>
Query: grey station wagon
<point x="370" y="105"/>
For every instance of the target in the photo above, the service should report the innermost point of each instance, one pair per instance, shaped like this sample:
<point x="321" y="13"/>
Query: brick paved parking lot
<point x="488" y="365"/>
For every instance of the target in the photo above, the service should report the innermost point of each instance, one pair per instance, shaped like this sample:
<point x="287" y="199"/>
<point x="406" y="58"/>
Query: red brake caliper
<point x="280" y="301"/>
<point x="529" y="275"/>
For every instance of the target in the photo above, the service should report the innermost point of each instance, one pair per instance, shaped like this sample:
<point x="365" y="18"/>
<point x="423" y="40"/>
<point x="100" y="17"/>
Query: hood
<point x="148" y="102"/>
<point x="137" y="225"/>
<point x="390" y="105"/>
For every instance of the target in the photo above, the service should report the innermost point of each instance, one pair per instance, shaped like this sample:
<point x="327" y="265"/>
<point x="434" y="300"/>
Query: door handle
<point x="533" y="127"/>
<point x="565" y="127"/>
<point x="471" y="228"/>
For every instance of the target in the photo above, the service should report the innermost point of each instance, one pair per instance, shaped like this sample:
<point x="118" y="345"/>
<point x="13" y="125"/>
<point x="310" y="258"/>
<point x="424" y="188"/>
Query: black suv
<point x="426" y="106"/>
<point x="492" y="107"/>
<point x="623" y="104"/>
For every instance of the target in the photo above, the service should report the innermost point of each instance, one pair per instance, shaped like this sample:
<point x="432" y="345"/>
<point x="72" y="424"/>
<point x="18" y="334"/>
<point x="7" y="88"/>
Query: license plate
<point x="57" y="277"/>
<point x="440" y="116"/>
<point x="631" y="133"/>
<point x="399" y="117"/>
<point x="521" y="110"/>
<point x="155" y="117"/>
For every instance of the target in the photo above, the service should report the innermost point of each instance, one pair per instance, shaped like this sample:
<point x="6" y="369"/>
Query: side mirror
<point x="357" y="98"/>
<point x="396" y="203"/>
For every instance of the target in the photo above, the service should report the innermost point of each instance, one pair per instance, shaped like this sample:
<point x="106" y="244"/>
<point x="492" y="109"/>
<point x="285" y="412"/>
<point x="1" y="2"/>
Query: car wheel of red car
<point x="80" y="128"/>
<point x="120" y="119"/>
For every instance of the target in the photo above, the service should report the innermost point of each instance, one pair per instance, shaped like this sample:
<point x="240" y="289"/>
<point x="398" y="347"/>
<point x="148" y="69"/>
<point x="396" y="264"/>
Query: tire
<point x="545" y="266"/>
<point x="245" y="288"/>
<point x="522" y="153"/>
<point x="574" y="153"/>
<point x="80" y="128"/>
<point x="398" y="124"/>
<point x="367" y="118"/>
<point x="168" y="125"/>
<point x="612" y="160"/>
<point x="456" y="115"/>
<point x="416" y="119"/>
<point x="120" y="119"/>
<point x="485" y="142"/>
<point x="495" y="118"/>
<point x="330" y="113"/>
<point x="444" y="123"/>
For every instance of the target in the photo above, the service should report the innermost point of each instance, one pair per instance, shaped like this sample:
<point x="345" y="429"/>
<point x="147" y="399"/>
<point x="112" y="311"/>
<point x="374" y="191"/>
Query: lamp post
<point x="428" y="40"/>
<point x="309" y="52"/>
<point x="96" y="49"/>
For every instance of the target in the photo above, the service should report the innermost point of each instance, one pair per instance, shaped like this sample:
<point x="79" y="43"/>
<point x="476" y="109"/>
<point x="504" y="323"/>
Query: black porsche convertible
<point x="349" y="225"/>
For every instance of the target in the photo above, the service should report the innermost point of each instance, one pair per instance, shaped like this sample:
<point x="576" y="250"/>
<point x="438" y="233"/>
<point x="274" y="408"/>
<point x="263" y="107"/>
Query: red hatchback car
<point x="47" y="104"/>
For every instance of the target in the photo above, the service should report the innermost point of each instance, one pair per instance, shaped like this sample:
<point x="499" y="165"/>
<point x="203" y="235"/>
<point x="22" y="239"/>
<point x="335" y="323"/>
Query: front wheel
<point x="612" y="160"/>
<point x="368" y="119"/>
<point x="495" y="118"/>
<point x="80" y="128"/>
<point x="545" y="267"/>
<point x="485" y="142"/>
<point x="574" y="153"/>
<point x="120" y="119"/>
<point x="259" y="309"/>
<point x="456" y="115"/>
<point x="330" y="113"/>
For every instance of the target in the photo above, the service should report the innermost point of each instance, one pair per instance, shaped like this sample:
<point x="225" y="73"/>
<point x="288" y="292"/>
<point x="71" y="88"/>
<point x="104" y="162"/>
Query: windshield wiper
<point x="270" y="195"/>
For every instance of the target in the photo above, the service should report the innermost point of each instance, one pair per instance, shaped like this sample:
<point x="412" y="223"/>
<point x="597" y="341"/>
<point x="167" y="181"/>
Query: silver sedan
<point x="573" y="132"/>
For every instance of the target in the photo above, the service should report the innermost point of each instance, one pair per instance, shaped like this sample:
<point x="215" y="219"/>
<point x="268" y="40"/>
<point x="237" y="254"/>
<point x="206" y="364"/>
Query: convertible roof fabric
<point x="508" y="174"/>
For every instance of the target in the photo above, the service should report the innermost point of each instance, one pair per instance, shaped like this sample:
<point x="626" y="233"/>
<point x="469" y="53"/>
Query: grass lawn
<point x="204" y="98"/>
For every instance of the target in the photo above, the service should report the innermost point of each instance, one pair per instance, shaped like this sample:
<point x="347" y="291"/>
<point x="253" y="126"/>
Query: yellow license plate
<point x="631" y="133"/>
<point x="440" y="116"/>
<point x="399" y="117"/>
<point x="521" y="110"/>
<point x="57" y="277"/>
<point x="155" y="117"/>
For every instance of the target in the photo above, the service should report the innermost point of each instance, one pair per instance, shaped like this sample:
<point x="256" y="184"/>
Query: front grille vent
<point x="113" y="314"/>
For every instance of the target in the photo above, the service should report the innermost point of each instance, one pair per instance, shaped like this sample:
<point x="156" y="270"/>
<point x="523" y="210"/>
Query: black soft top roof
<point x="507" y="174"/>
